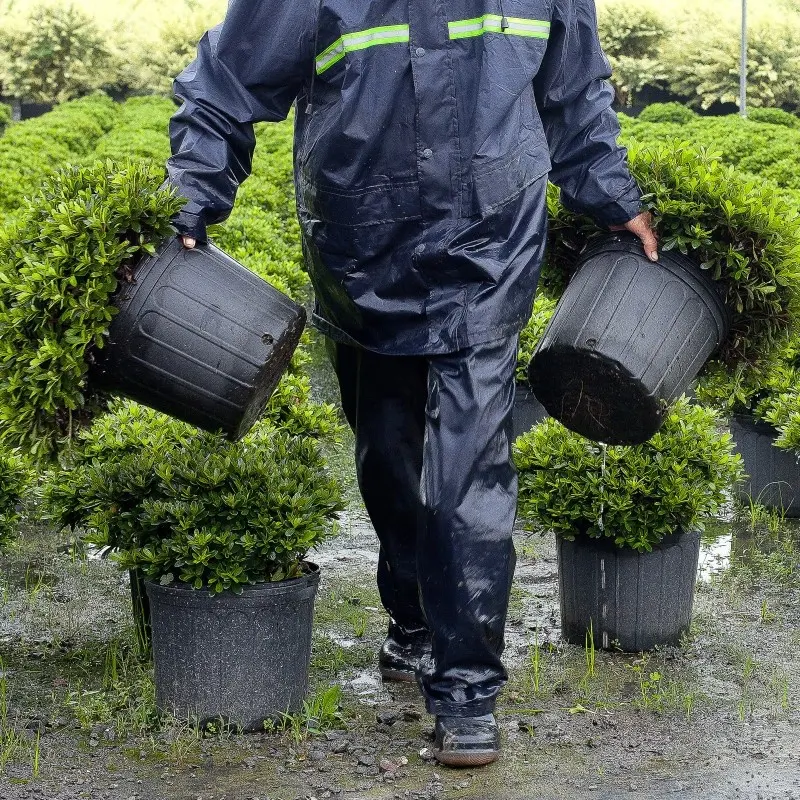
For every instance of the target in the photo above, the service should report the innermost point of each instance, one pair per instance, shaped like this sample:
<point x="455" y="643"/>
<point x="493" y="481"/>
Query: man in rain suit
<point x="425" y="134"/>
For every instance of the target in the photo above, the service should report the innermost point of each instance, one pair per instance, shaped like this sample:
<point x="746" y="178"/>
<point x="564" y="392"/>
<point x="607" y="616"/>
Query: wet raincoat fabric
<point x="433" y="440"/>
<point x="425" y="134"/>
<point x="425" y="130"/>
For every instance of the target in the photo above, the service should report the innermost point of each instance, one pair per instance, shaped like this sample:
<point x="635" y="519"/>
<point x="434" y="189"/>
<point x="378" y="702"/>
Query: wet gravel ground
<point x="717" y="718"/>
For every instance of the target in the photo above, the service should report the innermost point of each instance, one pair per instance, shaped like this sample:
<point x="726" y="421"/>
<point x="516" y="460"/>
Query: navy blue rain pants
<point x="433" y="457"/>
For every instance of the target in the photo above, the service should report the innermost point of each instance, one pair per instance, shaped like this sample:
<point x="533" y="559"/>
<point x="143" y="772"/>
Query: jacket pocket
<point x="356" y="208"/>
<point x="497" y="181"/>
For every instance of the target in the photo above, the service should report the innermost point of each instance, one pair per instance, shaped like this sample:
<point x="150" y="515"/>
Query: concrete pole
<point x="743" y="64"/>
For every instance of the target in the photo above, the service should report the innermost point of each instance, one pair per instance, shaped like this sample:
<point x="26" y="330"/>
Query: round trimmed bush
<point x="60" y="267"/>
<point x="634" y="496"/>
<point x="675" y="113"/>
<point x="189" y="506"/>
<point x="774" y="116"/>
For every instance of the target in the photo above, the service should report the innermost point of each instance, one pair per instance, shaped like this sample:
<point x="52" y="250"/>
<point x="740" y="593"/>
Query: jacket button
<point x="419" y="249"/>
<point x="427" y="152"/>
<point x="419" y="52"/>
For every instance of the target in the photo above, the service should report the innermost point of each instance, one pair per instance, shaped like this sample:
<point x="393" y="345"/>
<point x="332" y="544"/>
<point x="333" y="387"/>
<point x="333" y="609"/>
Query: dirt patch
<point x="718" y="717"/>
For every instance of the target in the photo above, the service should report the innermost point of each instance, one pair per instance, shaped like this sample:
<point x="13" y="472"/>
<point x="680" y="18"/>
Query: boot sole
<point x="398" y="675"/>
<point x="479" y="758"/>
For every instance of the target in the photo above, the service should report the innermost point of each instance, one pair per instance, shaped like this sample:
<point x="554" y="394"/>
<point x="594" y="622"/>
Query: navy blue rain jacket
<point x="425" y="132"/>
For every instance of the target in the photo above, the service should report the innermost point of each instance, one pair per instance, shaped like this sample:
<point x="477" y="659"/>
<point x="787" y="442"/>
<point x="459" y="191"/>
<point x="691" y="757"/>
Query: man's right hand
<point x="188" y="242"/>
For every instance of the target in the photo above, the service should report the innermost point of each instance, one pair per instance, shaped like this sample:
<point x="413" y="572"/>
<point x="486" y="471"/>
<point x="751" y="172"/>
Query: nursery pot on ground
<point x="199" y="337"/>
<point x="774" y="473"/>
<point x="629" y="600"/>
<point x="242" y="659"/>
<point x="628" y="337"/>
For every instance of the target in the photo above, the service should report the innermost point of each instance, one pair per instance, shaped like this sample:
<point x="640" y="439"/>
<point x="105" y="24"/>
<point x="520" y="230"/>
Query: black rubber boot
<point x="401" y="653"/>
<point x="466" y="741"/>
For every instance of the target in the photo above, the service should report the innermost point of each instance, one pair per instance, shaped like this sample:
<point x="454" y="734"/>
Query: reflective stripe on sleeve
<point x="360" y="40"/>
<point x="493" y="23"/>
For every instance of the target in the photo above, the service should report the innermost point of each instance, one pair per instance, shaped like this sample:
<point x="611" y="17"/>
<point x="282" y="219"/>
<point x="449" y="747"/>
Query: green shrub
<point x="543" y="308"/>
<point x="59" y="269"/>
<point x="634" y="496"/>
<point x="5" y="117"/>
<point x="193" y="507"/>
<point x="141" y="131"/>
<point x="632" y="35"/>
<point x="773" y="398"/>
<point x="774" y="116"/>
<point x="174" y="49"/>
<point x="675" y="113"/>
<point x="738" y="230"/>
<point x="14" y="479"/>
<point x="56" y="55"/>
<point x="762" y="149"/>
<point x="34" y="149"/>
<point x="704" y="66"/>
<point x="631" y="29"/>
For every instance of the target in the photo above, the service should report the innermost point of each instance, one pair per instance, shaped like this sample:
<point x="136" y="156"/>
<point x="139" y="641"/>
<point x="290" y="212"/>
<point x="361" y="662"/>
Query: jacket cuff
<point x="621" y="210"/>
<point x="188" y="224"/>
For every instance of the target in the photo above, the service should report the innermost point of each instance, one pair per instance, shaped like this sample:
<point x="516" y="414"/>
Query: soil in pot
<point x="627" y="338"/>
<point x="629" y="600"/>
<point x="201" y="338"/>
<point x="774" y="473"/>
<point x="242" y="659"/>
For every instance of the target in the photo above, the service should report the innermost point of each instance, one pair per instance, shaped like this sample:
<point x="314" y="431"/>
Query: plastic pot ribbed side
<point x="634" y="601"/>
<point x="201" y="338"/>
<point x="774" y="473"/>
<point x="240" y="658"/>
<point x="627" y="337"/>
<point x="527" y="411"/>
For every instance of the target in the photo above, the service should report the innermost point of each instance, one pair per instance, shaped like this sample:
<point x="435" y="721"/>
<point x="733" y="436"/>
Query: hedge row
<point x="31" y="150"/>
<point x="766" y="144"/>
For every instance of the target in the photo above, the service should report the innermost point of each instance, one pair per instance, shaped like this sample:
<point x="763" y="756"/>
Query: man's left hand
<point x="642" y="226"/>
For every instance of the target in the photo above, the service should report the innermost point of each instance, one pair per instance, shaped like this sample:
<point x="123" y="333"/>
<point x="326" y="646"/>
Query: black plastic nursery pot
<point x="628" y="337"/>
<point x="198" y="336"/>
<point x="629" y="600"/>
<point x="774" y="473"/>
<point x="527" y="411"/>
<point x="242" y="659"/>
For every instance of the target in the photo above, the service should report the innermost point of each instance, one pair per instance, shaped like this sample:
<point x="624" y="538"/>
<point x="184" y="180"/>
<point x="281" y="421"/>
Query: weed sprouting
<point x="321" y="712"/>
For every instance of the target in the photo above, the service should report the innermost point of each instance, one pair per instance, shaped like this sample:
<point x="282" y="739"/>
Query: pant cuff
<point x="441" y="708"/>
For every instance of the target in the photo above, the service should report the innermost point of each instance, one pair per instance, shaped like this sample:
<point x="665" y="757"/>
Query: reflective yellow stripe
<point x="493" y="23"/>
<point x="360" y="40"/>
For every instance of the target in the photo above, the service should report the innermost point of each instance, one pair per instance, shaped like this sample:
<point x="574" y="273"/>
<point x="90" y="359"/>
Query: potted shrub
<point x="98" y="297"/>
<point x="14" y="479"/>
<point x="627" y="522"/>
<point x="527" y="409"/>
<point x="764" y="419"/>
<point x="220" y="531"/>
<point x="629" y="335"/>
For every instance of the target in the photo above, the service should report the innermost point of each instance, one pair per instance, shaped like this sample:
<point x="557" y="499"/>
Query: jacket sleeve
<point x="574" y="102"/>
<point x="248" y="69"/>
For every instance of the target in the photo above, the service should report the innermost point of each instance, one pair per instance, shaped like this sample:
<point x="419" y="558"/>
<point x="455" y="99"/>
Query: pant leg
<point x="466" y="555"/>
<point x="384" y="400"/>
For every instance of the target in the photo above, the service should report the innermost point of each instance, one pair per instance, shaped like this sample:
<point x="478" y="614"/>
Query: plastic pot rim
<point x="186" y="592"/>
